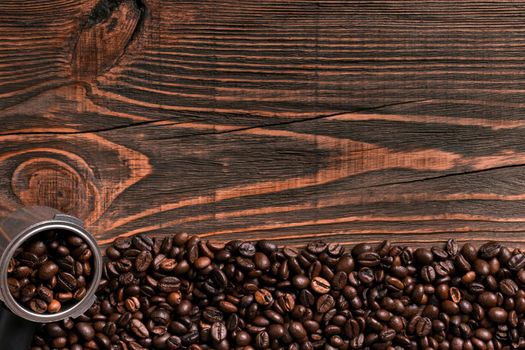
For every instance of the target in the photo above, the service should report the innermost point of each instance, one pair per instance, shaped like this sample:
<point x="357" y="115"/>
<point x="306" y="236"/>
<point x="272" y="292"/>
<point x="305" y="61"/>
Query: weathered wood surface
<point x="345" y="120"/>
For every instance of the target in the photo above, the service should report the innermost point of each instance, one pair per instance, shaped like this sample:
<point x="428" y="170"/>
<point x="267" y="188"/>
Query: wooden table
<point x="292" y="120"/>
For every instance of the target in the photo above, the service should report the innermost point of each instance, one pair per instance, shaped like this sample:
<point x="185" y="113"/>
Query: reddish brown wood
<point x="342" y="120"/>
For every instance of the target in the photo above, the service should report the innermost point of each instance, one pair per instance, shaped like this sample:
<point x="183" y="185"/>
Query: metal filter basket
<point x="17" y="323"/>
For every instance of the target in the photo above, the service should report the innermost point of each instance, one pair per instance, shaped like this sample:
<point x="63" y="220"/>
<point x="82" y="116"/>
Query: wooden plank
<point x="340" y="120"/>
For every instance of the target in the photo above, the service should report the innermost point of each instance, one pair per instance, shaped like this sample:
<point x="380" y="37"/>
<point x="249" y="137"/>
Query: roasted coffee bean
<point x="169" y="284"/>
<point x="489" y="250"/>
<point x="45" y="294"/>
<point x="320" y="285"/>
<point x="138" y="328"/>
<point x="247" y="249"/>
<point x="498" y="314"/>
<point x="263" y="297"/>
<point x="218" y="332"/>
<point x="452" y="247"/>
<point x="67" y="281"/>
<point x="28" y="259"/>
<point x="47" y="270"/>
<point x="143" y="261"/>
<point x="38" y="305"/>
<point x="508" y="287"/>
<point x="517" y="262"/>
<point x="262" y="340"/>
<point x="325" y="303"/>
<point x="297" y="331"/>
<point x="368" y="259"/>
<point x="428" y="274"/>
<point x="85" y="330"/>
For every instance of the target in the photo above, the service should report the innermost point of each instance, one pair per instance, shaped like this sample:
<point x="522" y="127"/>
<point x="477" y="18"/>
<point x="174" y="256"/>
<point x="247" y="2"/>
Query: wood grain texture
<point x="343" y="120"/>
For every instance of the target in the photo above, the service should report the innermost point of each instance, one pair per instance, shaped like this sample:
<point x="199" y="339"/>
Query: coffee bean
<point x="85" y="330"/>
<point x="47" y="270"/>
<point x="297" y="331"/>
<point x="263" y="297"/>
<point x="169" y="284"/>
<point x="262" y="340"/>
<point x="143" y="261"/>
<point x="452" y="247"/>
<point x="45" y="294"/>
<point x="173" y="343"/>
<point x="218" y="332"/>
<point x="428" y="274"/>
<point x="243" y="338"/>
<point x="325" y="303"/>
<point x="320" y="285"/>
<point x="138" y="328"/>
<point x="339" y="280"/>
<point x="439" y="253"/>
<point x="54" y="306"/>
<point x="66" y="281"/>
<point x="488" y="299"/>
<point x="508" y="287"/>
<point x="346" y="264"/>
<point x="498" y="314"/>
<point x="368" y="259"/>
<point x="517" y="262"/>
<point x="202" y="262"/>
<point x="423" y="256"/>
<point x="247" y="249"/>
<point x="38" y="305"/>
<point x="28" y="259"/>
<point x="489" y="250"/>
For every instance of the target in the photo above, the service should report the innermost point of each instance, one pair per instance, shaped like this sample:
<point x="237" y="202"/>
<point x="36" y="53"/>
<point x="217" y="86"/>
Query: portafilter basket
<point x="17" y="322"/>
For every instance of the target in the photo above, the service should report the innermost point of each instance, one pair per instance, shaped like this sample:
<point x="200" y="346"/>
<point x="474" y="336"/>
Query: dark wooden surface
<point x="343" y="120"/>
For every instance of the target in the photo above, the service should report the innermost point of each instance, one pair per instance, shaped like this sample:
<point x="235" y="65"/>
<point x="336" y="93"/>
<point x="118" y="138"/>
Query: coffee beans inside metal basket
<point x="50" y="271"/>
<point x="181" y="292"/>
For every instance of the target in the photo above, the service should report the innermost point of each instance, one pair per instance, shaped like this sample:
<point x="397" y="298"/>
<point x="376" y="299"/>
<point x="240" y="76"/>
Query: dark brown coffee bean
<point x="247" y="249"/>
<point x="508" y="287"/>
<point x="339" y="280"/>
<point x="297" y="331"/>
<point x="27" y="259"/>
<point x="498" y="314"/>
<point x="325" y="303"/>
<point x="517" y="262"/>
<point x="345" y="264"/>
<point x="218" y="332"/>
<point x="45" y="294"/>
<point x="47" y="270"/>
<point x="368" y="259"/>
<point x="38" y="305"/>
<point x="428" y="274"/>
<point x="489" y="250"/>
<point x="452" y="247"/>
<point x="66" y="281"/>
<point x="143" y="261"/>
<point x="488" y="299"/>
<point x="262" y="340"/>
<point x="202" y="262"/>
<point x="169" y="284"/>
<point x="138" y="328"/>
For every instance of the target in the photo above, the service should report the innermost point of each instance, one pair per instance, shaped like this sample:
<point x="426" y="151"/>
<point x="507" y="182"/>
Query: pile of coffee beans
<point x="181" y="292"/>
<point x="50" y="271"/>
